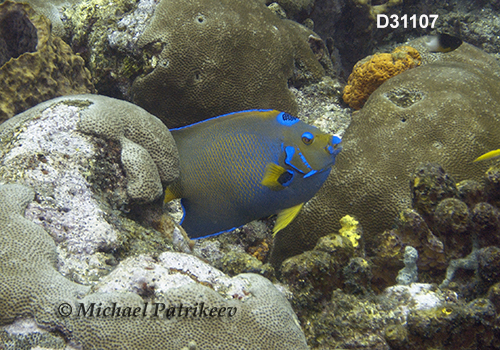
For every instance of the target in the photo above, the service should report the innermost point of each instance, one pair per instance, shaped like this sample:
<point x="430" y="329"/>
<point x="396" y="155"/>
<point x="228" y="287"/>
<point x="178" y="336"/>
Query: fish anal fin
<point x="272" y="175"/>
<point x="489" y="155"/>
<point x="285" y="217"/>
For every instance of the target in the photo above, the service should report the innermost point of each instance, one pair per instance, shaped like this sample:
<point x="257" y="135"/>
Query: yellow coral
<point x="350" y="229"/>
<point x="369" y="73"/>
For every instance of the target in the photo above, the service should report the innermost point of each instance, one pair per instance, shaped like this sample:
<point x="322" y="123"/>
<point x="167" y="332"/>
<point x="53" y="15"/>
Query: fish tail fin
<point x="170" y="194"/>
<point x="489" y="155"/>
<point x="285" y="217"/>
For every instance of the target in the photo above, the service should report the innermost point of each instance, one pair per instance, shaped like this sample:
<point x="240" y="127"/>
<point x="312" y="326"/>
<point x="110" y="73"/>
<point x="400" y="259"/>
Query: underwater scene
<point x="249" y="174"/>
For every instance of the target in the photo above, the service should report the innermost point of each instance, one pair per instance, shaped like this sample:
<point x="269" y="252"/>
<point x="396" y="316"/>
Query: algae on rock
<point x="29" y="76"/>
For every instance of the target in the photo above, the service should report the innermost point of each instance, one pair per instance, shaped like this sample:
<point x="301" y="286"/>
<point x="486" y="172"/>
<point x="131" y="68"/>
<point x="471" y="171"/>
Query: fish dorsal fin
<point x="489" y="155"/>
<point x="170" y="195"/>
<point x="272" y="175"/>
<point x="285" y="217"/>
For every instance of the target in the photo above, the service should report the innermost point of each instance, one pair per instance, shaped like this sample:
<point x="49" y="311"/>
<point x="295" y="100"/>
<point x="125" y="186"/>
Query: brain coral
<point x="369" y="73"/>
<point x="29" y="76"/>
<point x="148" y="152"/>
<point x="446" y="111"/>
<point x="211" y="57"/>
<point x="31" y="288"/>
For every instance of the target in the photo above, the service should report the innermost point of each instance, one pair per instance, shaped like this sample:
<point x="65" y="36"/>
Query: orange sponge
<point x="369" y="73"/>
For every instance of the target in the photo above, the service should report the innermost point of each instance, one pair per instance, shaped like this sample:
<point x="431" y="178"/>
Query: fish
<point x="489" y="155"/>
<point x="243" y="166"/>
<point x="442" y="43"/>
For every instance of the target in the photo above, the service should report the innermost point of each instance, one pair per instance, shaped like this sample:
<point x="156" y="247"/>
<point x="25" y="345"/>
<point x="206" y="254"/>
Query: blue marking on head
<point x="336" y="140"/>
<point x="286" y="119"/>
<point x="304" y="160"/>
<point x="307" y="138"/>
<point x="290" y="151"/>
<point x="220" y="116"/>
<point x="312" y="172"/>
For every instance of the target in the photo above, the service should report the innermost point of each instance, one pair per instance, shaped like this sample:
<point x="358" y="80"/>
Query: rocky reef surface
<point x="399" y="250"/>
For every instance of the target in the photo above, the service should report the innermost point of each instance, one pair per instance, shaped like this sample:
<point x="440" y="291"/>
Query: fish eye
<point x="307" y="138"/>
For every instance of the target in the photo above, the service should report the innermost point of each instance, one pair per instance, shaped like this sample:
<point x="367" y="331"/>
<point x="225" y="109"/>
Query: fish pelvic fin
<point x="272" y="176"/>
<point x="285" y="217"/>
<point x="489" y="155"/>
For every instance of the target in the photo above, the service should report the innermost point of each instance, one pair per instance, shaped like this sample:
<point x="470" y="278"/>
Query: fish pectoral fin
<point x="272" y="176"/>
<point x="285" y="217"/>
<point x="489" y="155"/>
<point x="170" y="195"/>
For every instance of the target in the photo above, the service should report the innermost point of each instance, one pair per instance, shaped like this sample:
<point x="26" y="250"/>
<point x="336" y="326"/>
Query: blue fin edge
<point x="214" y="234"/>
<point x="220" y="116"/>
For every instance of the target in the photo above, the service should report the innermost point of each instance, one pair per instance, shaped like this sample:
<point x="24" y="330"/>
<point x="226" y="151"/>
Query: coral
<point x="494" y="296"/>
<point x="369" y="73"/>
<point x="350" y="230"/>
<point x="208" y="58"/>
<point x="357" y="276"/>
<point x="489" y="264"/>
<point x="234" y="263"/>
<point x="452" y="326"/>
<point x="148" y="152"/>
<point x="105" y="33"/>
<point x="312" y="275"/>
<point x="297" y="8"/>
<point x="31" y="287"/>
<point x="452" y="216"/>
<point x="50" y="9"/>
<point x="412" y="230"/>
<point x="430" y="184"/>
<point x="80" y="178"/>
<point x="485" y="220"/>
<point x="451" y="125"/>
<point x="31" y="76"/>
<point x="452" y="226"/>
<point x="409" y="273"/>
<point x="470" y="192"/>
<point x="353" y="321"/>
<point x="492" y="184"/>
<point x="470" y="262"/>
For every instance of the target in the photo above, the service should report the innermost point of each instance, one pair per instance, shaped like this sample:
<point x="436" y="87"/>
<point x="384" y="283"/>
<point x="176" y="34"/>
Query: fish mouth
<point x="334" y="147"/>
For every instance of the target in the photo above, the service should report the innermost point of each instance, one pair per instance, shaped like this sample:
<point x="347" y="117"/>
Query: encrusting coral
<point x="426" y="114"/>
<point x="208" y="57"/>
<point x="37" y="65"/>
<point x="369" y="73"/>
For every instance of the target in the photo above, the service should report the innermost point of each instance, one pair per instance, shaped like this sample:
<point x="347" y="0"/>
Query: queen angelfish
<point x="248" y="165"/>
